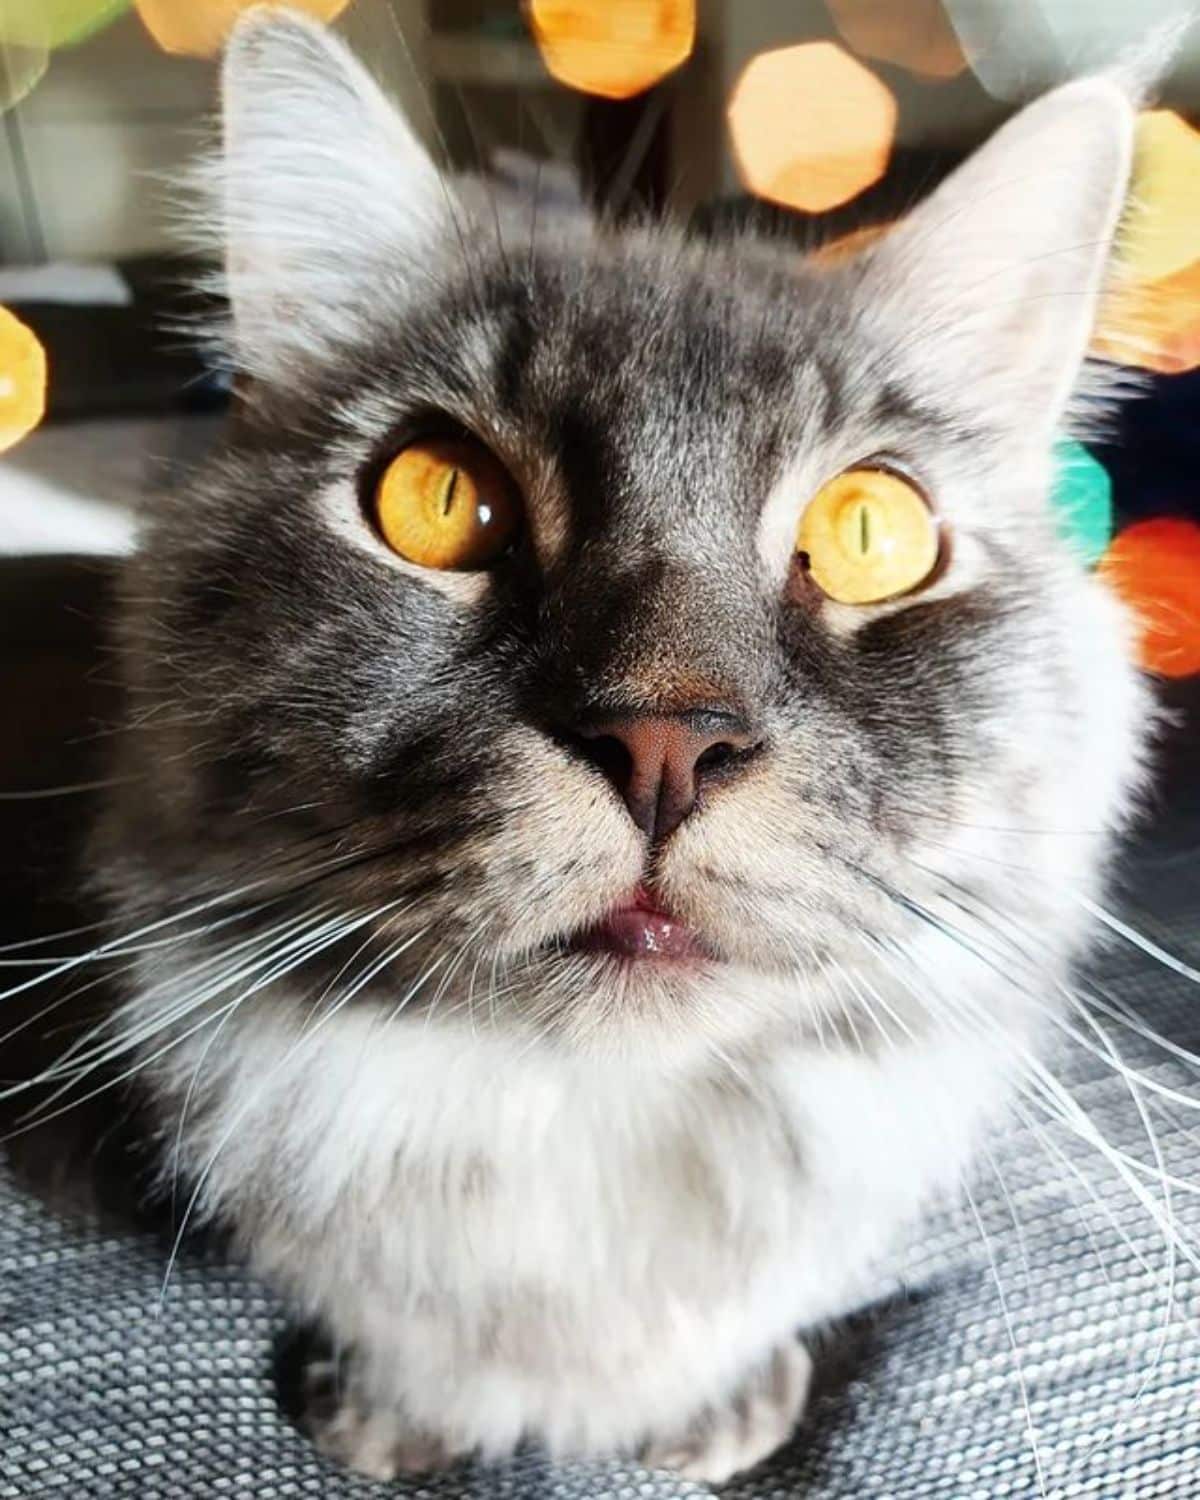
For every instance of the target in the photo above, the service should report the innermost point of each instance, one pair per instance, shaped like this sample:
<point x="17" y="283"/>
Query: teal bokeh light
<point x="1082" y="500"/>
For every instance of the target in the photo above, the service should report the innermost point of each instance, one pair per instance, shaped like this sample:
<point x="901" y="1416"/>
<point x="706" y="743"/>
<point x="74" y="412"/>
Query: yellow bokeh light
<point x="914" y="34"/>
<point x="613" y="48"/>
<point x="1162" y="230"/>
<point x="22" y="380"/>
<point x="811" y="127"/>
<point x="198" y="28"/>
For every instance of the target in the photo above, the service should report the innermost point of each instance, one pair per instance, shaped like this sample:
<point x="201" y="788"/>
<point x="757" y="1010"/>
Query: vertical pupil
<point x="864" y="529"/>
<point x="448" y="491"/>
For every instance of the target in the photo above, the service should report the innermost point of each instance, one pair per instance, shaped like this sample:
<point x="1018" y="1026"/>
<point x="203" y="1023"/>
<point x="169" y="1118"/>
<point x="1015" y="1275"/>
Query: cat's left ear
<point x="327" y="199"/>
<point x="996" y="276"/>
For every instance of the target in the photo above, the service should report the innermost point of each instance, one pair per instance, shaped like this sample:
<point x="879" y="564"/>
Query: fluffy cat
<point x="570" y="976"/>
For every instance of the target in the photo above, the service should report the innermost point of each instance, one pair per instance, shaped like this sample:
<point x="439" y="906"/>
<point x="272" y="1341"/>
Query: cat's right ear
<point x="326" y="201"/>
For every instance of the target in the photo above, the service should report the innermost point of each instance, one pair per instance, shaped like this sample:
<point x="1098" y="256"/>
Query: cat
<point x="565" y="863"/>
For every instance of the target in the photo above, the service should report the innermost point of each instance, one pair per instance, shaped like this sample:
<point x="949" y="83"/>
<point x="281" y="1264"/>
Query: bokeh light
<point x="1082" y="501"/>
<point x="1155" y="567"/>
<point x="1155" y="325"/>
<point x="812" y="127"/>
<point x="22" y="380"/>
<point x="1161" y="234"/>
<point x="614" y="48"/>
<point x="913" y="34"/>
<point x="37" y="25"/>
<point x="198" y="28"/>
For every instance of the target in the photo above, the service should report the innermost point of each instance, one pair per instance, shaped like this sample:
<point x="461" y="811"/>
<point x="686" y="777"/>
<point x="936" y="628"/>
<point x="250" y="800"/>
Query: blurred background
<point x="822" y="119"/>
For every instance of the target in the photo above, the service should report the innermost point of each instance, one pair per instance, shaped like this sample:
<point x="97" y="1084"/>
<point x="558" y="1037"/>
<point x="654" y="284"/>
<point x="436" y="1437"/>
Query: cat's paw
<point x="370" y="1439"/>
<point x="757" y="1419"/>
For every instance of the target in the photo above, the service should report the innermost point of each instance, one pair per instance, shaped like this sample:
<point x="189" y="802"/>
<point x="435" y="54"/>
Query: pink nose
<point x="660" y="762"/>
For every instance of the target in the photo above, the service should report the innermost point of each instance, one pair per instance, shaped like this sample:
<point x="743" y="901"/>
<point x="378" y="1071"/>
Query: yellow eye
<point x="868" y="535"/>
<point x="447" y="503"/>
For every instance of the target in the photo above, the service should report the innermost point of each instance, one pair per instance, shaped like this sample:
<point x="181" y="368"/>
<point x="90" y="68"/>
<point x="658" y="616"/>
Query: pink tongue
<point x="637" y="933"/>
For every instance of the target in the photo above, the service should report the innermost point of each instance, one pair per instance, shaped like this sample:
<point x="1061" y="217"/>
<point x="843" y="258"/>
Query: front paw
<point x="347" y="1425"/>
<point x="758" y="1418"/>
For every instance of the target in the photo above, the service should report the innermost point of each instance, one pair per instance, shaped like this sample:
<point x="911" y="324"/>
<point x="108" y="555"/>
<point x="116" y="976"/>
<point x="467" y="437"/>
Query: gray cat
<point x="588" y="731"/>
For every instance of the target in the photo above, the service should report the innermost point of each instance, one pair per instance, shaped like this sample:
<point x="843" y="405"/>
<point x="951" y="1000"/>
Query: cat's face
<point x="461" y="741"/>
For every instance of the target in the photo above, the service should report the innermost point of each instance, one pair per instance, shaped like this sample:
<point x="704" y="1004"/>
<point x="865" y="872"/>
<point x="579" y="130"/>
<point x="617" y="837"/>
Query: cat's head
<point x="646" y="695"/>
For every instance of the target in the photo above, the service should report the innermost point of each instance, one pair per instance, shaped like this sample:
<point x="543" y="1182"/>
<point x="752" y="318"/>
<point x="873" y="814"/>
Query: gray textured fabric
<point x="1046" y="1332"/>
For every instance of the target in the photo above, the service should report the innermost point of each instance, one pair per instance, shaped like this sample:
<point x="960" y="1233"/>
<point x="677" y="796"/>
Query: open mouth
<point x="640" y="928"/>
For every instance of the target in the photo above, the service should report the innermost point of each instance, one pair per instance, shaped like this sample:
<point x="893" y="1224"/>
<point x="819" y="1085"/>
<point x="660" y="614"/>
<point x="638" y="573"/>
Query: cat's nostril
<point x="608" y="754"/>
<point x="716" y="757"/>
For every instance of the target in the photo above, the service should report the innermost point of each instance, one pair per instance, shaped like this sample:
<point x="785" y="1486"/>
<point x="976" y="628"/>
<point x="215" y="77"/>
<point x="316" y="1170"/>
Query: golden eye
<point x="868" y="535"/>
<point x="447" y="503"/>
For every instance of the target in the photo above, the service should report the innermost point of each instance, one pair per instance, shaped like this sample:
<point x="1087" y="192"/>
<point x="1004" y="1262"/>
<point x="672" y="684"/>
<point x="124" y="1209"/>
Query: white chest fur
<point x="523" y="1241"/>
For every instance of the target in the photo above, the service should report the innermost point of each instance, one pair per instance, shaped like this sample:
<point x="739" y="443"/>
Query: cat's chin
<point x="642" y="986"/>
<point x="655" y="1012"/>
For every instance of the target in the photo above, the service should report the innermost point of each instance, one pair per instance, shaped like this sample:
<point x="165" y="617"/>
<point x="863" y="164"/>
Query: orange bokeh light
<point x="22" y="380"/>
<point x="811" y="127"/>
<point x="914" y="34"/>
<point x="1155" y="567"/>
<point x="198" y="28"/>
<point x="1154" y="325"/>
<point x="614" y="48"/>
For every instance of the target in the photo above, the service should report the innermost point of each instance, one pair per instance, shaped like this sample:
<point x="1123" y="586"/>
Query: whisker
<point x="341" y="932"/>
<point x="1019" y="1368"/>
<point x="1139" y="940"/>
<point x="307" y="1035"/>
<point x="69" y="789"/>
<point x="311" y="875"/>
<point x="38" y="1116"/>
<point x="1067" y="1109"/>
<point x="264" y="946"/>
